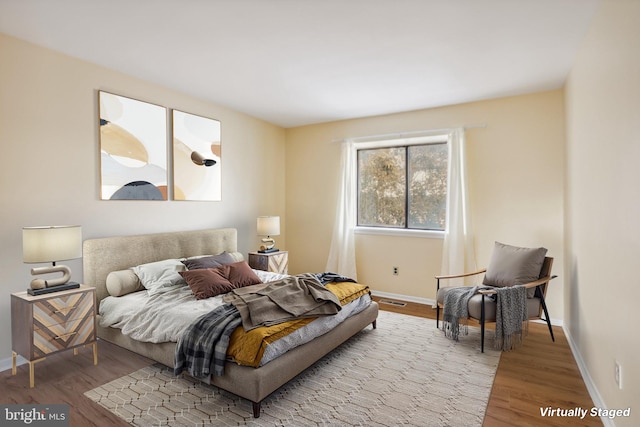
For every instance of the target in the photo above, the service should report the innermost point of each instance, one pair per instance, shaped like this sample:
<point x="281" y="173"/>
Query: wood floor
<point x="538" y="375"/>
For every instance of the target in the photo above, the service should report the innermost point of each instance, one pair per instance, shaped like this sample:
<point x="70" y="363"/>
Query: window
<point x="402" y="186"/>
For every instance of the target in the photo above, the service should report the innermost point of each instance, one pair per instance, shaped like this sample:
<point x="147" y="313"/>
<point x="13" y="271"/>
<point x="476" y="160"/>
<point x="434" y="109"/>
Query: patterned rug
<point x="405" y="372"/>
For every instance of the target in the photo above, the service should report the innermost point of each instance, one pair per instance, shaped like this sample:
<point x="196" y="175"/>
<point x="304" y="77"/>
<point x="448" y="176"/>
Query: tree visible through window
<point x="403" y="186"/>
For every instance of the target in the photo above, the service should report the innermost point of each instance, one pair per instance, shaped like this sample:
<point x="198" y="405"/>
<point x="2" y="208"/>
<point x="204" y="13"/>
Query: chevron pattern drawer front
<point x="57" y="310"/>
<point x="46" y="324"/>
<point x="279" y="263"/>
<point x="61" y="323"/>
<point x="275" y="262"/>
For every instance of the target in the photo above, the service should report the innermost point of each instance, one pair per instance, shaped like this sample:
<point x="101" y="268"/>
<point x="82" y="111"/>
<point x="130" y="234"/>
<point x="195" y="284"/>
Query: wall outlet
<point x="395" y="271"/>
<point x="618" y="374"/>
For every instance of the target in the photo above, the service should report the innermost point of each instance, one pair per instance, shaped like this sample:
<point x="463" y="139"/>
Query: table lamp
<point x="268" y="226"/>
<point x="51" y="244"/>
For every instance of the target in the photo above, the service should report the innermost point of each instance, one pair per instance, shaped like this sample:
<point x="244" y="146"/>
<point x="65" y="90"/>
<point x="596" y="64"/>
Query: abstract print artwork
<point x="133" y="149"/>
<point x="196" y="157"/>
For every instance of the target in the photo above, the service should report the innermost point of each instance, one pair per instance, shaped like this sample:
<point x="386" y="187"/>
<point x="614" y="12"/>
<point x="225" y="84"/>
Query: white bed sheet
<point x="314" y="329"/>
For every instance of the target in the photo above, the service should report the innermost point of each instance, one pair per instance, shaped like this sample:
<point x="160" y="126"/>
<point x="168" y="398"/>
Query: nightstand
<point x="50" y="323"/>
<point x="275" y="262"/>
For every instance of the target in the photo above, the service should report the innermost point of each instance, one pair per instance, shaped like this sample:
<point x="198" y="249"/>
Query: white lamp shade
<point x="268" y="226"/>
<point x="51" y="243"/>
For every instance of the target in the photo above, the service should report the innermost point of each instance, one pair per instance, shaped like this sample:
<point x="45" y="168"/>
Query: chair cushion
<point x="475" y="307"/>
<point x="440" y="295"/>
<point x="512" y="265"/>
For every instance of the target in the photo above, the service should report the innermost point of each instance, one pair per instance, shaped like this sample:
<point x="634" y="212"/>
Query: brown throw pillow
<point x="241" y="275"/>
<point x="208" y="282"/>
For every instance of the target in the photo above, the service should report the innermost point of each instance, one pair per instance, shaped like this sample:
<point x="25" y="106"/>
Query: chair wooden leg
<point x="546" y="316"/>
<point x="482" y="325"/>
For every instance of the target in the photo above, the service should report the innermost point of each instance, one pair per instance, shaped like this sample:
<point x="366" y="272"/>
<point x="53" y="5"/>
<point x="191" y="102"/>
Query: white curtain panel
<point x="458" y="254"/>
<point x="342" y="255"/>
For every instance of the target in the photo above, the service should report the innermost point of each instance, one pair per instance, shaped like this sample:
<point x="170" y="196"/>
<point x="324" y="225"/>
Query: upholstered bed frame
<point x="104" y="255"/>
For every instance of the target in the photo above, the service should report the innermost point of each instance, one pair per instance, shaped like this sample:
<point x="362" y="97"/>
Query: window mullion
<point x="406" y="187"/>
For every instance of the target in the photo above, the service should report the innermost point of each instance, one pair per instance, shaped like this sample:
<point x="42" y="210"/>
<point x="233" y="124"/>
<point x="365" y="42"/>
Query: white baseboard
<point x="588" y="381"/>
<point x="431" y="302"/>
<point x="6" y="364"/>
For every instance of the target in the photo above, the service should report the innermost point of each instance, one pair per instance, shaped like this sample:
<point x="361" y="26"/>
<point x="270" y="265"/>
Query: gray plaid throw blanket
<point x="511" y="317"/>
<point x="204" y="343"/>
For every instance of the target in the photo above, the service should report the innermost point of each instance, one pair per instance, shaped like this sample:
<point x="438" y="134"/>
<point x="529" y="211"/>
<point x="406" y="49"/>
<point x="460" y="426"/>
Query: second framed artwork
<point x="197" y="157"/>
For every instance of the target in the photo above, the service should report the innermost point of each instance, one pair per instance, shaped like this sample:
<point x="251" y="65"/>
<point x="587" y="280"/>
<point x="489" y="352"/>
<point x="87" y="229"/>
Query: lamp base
<point x="268" y="251"/>
<point x="57" y="288"/>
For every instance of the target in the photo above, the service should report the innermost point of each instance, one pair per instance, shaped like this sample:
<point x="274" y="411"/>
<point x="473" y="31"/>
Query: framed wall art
<point x="133" y="149"/>
<point x="197" y="157"/>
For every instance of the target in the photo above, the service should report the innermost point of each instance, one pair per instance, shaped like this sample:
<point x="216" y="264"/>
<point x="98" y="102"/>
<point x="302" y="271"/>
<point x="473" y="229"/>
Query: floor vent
<point x="396" y="303"/>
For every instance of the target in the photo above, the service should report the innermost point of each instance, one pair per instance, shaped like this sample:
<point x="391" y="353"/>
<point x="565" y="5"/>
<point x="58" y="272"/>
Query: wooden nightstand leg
<point x="13" y="360"/>
<point x="32" y="364"/>
<point x="31" y="374"/>
<point x="95" y="353"/>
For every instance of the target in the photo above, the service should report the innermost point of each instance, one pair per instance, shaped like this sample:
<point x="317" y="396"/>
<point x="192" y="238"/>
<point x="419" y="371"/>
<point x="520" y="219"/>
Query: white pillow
<point x="160" y="276"/>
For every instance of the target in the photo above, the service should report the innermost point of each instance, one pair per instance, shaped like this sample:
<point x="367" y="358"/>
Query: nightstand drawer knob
<point x="63" y="336"/>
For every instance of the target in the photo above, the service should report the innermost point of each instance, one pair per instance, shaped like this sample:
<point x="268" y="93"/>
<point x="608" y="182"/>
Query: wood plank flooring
<point x="64" y="378"/>
<point x="539" y="374"/>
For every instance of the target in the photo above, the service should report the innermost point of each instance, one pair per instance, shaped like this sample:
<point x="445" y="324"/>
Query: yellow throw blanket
<point x="247" y="348"/>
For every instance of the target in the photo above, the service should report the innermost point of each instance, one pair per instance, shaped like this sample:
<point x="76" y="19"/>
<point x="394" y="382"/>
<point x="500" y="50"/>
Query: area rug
<point x="405" y="372"/>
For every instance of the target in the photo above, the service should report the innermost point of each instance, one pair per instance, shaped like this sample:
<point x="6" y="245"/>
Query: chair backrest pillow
<point x="512" y="265"/>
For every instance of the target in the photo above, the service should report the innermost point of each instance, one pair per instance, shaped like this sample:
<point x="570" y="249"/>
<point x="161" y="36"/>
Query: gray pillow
<point x="511" y="265"/>
<point x="209" y="261"/>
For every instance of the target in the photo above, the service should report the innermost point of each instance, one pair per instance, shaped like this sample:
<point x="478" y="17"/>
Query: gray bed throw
<point x="511" y="317"/>
<point x="290" y="298"/>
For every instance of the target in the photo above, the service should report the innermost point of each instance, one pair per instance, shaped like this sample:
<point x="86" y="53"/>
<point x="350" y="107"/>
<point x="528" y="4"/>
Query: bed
<point x="105" y="255"/>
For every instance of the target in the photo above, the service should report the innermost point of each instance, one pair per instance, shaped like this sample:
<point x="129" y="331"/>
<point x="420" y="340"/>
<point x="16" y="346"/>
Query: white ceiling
<point x="296" y="62"/>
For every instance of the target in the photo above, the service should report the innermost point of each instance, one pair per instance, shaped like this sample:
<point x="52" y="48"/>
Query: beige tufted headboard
<point x="104" y="255"/>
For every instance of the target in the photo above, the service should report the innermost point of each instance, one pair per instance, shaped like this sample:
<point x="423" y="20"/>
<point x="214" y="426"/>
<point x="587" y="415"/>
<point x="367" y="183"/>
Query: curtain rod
<point x="415" y="133"/>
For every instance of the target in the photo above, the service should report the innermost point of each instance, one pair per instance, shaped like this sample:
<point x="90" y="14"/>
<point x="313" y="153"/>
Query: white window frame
<point x="383" y="143"/>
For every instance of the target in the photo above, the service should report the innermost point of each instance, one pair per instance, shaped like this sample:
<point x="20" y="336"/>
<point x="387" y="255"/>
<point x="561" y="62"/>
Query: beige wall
<point x="603" y="204"/>
<point x="516" y="169"/>
<point x="49" y="165"/>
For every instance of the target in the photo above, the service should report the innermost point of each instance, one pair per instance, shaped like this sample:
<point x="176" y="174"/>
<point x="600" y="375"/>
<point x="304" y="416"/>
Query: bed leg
<point x="256" y="409"/>
<point x="374" y="323"/>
